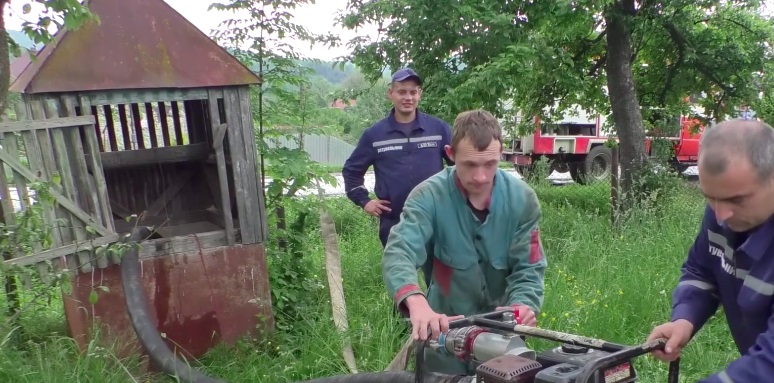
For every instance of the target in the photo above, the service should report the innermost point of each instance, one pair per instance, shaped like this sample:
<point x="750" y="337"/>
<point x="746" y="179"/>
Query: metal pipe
<point x="147" y="334"/>
<point x="557" y="336"/>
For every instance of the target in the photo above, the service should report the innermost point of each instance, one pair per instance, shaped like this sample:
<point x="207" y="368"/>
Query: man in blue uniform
<point x="731" y="262"/>
<point x="405" y="148"/>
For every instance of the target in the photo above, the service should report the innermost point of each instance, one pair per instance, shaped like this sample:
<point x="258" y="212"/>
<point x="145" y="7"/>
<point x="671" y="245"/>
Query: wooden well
<point x="138" y="147"/>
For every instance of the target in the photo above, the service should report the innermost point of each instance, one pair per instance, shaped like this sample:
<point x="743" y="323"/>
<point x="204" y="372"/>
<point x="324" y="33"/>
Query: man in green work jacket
<point x="483" y="223"/>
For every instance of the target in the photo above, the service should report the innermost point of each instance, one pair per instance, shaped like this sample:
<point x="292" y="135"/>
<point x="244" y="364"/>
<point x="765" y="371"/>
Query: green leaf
<point x="93" y="297"/>
<point x="56" y="179"/>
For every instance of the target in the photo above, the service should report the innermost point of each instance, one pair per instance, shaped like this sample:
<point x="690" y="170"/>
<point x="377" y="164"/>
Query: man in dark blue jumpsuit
<point x="405" y="148"/>
<point x="731" y="262"/>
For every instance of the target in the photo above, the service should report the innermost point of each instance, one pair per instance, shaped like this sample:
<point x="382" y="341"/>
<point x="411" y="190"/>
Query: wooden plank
<point x="187" y="245"/>
<point x="217" y="218"/>
<point x="213" y="183"/>
<point x="11" y="146"/>
<point x="87" y="200"/>
<point x="35" y="161"/>
<point x="59" y="252"/>
<point x="162" y="220"/>
<point x="99" y="187"/>
<point x="257" y="208"/>
<point x="177" y="123"/>
<point x="97" y="129"/>
<point x="68" y="231"/>
<point x="187" y="229"/>
<point x="136" y="120"/>
<point x="238" y="166"/>
<point x="95" y="162"/>
<point x="8" y="216"/>
<point x="5" y="194"/>
<point x="49" y="123"/>
<point x="164" y="123"/>
<point x="151" y="125"/>
<point x="76" y="152"/>
<point x="5" y="197"/>
<point x="49" y="161"/>
<point x="69" y="205"/>
<point x="44" y="140"/>
<point x="170" y="192"/>
<point x="220" y="158"/>
<point x="218" y="135"/>
<point x="145" y="95"/>
<point x="124" y="121"/>
<point x="170" y="154"/>
<point x="110" y="127"/>
<point x="34" y="146"/>
<point x="78" y="187"/>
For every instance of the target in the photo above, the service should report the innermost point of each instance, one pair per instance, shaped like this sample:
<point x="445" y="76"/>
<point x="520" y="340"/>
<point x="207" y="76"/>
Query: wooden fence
<point x="50" y="139"/>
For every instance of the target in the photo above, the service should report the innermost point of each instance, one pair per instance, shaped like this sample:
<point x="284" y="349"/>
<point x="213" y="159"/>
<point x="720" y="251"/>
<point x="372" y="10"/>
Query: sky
<point x="317" y="18"/>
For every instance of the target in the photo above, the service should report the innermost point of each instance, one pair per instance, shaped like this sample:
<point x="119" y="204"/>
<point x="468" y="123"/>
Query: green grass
<point x="614" y="285"/>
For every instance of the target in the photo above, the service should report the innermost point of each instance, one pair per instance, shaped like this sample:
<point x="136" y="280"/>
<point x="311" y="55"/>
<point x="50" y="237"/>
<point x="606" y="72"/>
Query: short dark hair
<point x="741" y="139"/>
<point x="480" y="126"/>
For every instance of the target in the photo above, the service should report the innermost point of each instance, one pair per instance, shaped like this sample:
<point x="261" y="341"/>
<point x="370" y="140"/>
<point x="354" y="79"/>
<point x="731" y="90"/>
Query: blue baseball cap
<point x="405" y="74"/>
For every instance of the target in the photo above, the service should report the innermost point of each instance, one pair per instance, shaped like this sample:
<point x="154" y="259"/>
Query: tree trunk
<point x="623" y="98"/>
<point x="282" y="239"/>
<point x="5" y="60"/>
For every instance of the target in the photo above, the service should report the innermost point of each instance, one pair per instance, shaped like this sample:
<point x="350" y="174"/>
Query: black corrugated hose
<point x="169" y="363"/>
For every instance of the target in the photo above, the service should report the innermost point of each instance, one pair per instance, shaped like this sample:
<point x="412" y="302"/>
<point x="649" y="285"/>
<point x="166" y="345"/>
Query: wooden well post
<point x="151" y="128"/>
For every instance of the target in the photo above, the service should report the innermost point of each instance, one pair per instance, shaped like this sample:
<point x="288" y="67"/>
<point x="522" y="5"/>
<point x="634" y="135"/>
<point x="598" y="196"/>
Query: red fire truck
<point x="577" y="145"/>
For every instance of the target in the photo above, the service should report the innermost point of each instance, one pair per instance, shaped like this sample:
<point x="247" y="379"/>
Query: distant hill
<point x="327" y="71"/>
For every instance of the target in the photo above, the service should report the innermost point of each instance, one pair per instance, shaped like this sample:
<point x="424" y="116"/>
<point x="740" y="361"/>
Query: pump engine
<point x="497" y="352"/>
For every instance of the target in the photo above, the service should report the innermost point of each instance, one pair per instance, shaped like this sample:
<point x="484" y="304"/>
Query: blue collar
<point x="759" y="240"/>
<point x="418" y="123"/>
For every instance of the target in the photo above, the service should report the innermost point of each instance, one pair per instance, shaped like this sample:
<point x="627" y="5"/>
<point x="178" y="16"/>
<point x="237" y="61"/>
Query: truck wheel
<point x="578" y="173"/>
<point x="598" y="163"/>
<point x="595" y="167"/>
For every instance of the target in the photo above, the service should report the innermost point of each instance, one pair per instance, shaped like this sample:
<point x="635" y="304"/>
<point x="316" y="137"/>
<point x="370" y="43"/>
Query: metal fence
<point x="326" y="150"/>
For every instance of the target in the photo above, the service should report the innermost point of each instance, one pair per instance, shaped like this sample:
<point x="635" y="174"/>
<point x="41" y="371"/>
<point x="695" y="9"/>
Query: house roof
<point x="138" y="44"/>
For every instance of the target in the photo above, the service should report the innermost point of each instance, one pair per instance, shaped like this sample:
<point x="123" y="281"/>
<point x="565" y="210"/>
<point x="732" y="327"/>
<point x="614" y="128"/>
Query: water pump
<point x="494" y="344"/>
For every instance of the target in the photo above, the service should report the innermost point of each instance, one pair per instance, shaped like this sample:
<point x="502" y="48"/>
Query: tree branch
<point x="598" y="64"/>
<point x="588" y="45"/>
<point x="629" y="7"/>
<point x="738" y="24"/>
<point x="681" y="41"/>
<point x="671" y="74"/>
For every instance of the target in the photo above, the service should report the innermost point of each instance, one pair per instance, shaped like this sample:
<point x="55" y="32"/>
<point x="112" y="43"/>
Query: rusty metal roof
<point x="139" y="44"/>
